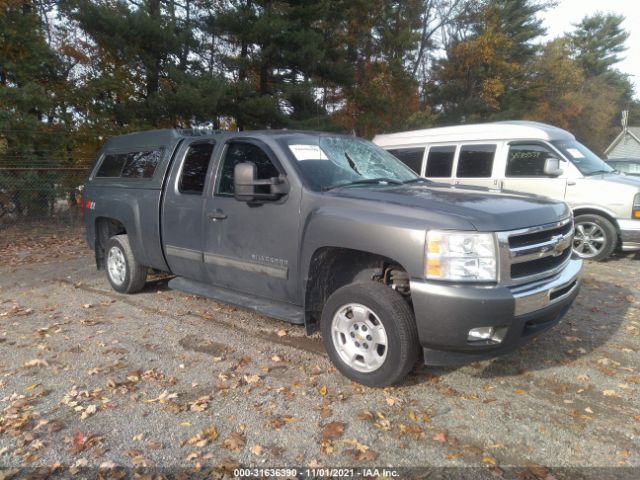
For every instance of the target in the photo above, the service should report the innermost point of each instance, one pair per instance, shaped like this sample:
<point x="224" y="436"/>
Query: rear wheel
<point x="595" y="237"/>
<point x="370" y="334"/>
<point x="124" y="272"/>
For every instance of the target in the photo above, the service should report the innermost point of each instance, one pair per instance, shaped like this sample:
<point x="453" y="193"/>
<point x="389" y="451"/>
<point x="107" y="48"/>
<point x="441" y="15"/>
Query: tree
<point x="563" y="95"/>
<point x="485" y="72"/>
<point x="597" y="42"/>
<point x="139" y="71"/>
<point x="33" y="128"/>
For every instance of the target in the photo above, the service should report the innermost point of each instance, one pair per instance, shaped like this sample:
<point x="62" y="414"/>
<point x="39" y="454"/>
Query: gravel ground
<point x="91" y="379"/>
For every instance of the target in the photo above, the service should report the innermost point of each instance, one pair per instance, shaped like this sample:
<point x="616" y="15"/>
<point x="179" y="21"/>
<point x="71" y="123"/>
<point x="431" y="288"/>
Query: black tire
<point x="135" y="275"/>
<point x="603" y="249"/>
<point x="397" y="318"/>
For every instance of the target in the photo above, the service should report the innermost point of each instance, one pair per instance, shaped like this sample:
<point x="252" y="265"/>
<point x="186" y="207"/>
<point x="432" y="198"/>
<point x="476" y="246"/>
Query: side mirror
<point x="552" y="167"/>
<point x="247" y="187"/>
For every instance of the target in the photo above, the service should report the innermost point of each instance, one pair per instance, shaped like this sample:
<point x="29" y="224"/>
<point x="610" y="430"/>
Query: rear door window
<point x="527" y="160"/>
<point x="411" y="157"/>
<point x="440" y="161"/>
<point x="476" y="161"/>
<point x="194" y="168"/>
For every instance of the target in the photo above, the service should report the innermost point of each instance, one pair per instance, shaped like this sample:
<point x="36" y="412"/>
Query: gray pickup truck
<point x="336" y="234"/>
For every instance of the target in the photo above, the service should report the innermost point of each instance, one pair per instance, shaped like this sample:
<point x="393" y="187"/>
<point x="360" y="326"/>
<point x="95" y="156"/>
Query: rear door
<point x="475" y="165"/>
<point x="252" y="247"/>
<point x="183" y="207"/>
<point x="524" y="170"/>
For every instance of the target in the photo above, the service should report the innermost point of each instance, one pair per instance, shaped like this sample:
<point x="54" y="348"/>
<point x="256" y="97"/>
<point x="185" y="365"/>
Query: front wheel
<point x="595" y="238"/>
<point x="370" y="334"/>
<point x="124" y="272"/>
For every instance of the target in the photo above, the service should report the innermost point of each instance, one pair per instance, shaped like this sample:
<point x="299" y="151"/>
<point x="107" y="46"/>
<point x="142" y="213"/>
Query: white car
<point x="533" y="158"/>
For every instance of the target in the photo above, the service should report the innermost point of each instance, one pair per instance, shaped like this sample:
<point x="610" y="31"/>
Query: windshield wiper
<point x="352" y="164"/>
<point x="367" y="181"/>
<point x="416" y="180"/>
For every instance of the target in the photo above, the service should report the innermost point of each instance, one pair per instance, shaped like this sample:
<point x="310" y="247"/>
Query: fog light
<point x="484" y="334"/>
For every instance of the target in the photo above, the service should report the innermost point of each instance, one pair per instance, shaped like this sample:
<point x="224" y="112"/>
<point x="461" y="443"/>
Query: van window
<point x="476" y="161"/>
<point x="440" y="161"/>
<point x="411" y="157"/>
<point x="194" y="168"/>
<point x="527" y="160"/>
<point x="141" y="164"/>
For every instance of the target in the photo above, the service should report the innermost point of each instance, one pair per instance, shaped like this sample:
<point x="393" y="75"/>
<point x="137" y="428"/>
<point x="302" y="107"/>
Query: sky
<point x="560" y="19"/>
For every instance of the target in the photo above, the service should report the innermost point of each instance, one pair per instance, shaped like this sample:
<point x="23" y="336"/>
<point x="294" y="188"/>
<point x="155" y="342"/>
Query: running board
<point x="280" y="310"/>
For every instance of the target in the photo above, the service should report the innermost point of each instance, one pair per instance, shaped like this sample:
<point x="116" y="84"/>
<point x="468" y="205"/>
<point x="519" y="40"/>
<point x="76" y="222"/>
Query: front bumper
<point x="446" y="312"/>
<point x="629" y="234"/>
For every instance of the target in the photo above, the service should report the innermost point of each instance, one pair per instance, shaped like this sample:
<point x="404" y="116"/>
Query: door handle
<point x="216" y="215"/>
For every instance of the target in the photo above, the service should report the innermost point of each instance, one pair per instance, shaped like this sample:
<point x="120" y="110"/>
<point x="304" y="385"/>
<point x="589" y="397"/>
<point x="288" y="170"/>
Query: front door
<point x="252" y="247"/>
<point x="525" y="171"/>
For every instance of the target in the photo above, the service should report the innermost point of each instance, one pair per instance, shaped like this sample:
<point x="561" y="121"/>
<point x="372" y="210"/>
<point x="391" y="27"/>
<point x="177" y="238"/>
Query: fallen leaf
<point x="332" y="430"/>
<point x="90" y="410"/>
<point x="323" y="390"/>
<point x="366" y="415"/>
<point x="538" y="470"/>
<point x="251" y="379"/>
<point x="610" y="393"/>
<point x="235" y="441"/>
<point x="36" y="362"/>
<point x="256" y="450"/>
<point x="440" y="437"/>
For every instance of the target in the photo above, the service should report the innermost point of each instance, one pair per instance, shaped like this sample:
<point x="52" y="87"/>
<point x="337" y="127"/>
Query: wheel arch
<point x="332" y="267"/>
<point x="105" y="228"/>
<point x="589" y="210"/>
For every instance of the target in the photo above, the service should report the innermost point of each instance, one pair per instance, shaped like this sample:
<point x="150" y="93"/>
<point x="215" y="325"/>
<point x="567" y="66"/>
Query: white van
<point x="534" y="158"/>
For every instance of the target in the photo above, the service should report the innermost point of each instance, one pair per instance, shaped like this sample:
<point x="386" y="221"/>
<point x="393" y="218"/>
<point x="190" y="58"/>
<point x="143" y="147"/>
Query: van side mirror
<point x="552" y="167"/>
<point x="247" y="187"/>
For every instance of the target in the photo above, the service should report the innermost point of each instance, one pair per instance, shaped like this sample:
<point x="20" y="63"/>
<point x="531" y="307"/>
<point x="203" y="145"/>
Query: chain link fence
<point x="39" y="199"/>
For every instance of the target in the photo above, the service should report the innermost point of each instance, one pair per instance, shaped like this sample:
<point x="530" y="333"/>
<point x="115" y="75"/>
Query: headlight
<point x="461" y="256"/>
<point x="635" y="213"/>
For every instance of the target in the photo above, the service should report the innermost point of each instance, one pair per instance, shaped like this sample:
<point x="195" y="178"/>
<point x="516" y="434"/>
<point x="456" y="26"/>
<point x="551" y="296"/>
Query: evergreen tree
<point x="598" y="41"/>
<point x="139" y="68"/>
<point x="33" y="132"/>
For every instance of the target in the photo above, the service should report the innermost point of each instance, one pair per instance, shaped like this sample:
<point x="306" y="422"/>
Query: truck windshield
<point x="329" y="162"/>
<point x="584" y="159"/>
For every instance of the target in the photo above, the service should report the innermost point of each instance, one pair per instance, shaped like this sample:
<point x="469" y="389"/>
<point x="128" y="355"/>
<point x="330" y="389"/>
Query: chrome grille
<point x="534" y="253"/>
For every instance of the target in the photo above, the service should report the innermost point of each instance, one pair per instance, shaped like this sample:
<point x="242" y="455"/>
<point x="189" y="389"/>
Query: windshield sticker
<point x="307" y="152"/>
<point x="575" y="153"/>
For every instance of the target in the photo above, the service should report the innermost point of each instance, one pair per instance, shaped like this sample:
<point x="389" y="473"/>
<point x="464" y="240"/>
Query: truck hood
<point x="486" y="210"/>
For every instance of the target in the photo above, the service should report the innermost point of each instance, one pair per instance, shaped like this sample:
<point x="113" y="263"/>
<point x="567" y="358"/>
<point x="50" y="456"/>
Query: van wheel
<point x="369" y="332"/>
<point x="125" y="274"/>
<point x="595" y="237"/>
